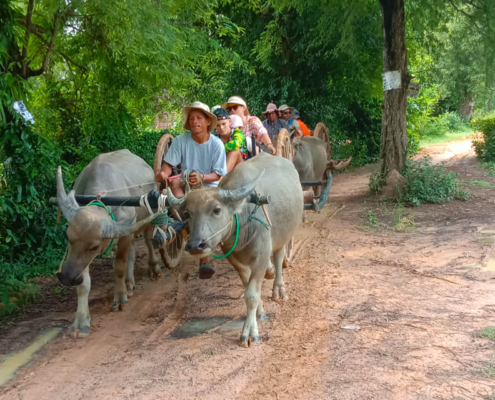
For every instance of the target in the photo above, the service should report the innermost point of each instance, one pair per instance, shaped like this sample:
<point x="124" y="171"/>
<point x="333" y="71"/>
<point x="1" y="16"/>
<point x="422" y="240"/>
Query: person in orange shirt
<point x="302" y="125"/>
<point x="296" y="126"/>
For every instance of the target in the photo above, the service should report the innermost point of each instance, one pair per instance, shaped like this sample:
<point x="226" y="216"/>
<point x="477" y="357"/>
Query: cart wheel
<point x="161" y="151"/>
<point x="321" y="132"/>
<point x="172" y="253"/>
<point x="284" y="147"/>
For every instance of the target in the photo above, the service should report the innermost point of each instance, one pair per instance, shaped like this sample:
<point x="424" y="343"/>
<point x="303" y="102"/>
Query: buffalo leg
<point x="252" y="296"/>
<point x="130" y="283"/>
<point x="245" y="274"/>
<point x="120" y="268"/>
<point x="154" y="270"/>
<point x="83" y="319"/>
<point x="278" y="284"/>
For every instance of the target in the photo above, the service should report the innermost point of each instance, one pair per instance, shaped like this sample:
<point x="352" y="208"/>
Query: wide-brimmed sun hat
<point x="233" y="101"/>
<point x="285" y="107"/>
<point x="197" y="105"/>
<point x="270" y="108"/>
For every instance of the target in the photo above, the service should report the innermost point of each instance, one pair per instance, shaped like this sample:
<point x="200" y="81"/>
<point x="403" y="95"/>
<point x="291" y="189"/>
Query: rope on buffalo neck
<point x="235" y="240"/>
<point x="161" y="219"/>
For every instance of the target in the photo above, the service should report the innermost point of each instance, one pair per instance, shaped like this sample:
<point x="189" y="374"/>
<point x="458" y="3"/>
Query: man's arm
<point x="164" y="173"/>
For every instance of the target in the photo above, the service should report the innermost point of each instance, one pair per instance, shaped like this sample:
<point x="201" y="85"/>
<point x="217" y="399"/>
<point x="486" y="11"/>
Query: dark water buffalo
<point x="211" y="211"/>
<point x="91" y="228"/>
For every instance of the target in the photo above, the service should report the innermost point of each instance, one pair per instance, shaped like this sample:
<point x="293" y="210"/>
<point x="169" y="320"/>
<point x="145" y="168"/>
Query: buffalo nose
<point x="193" y="245"/>
<point x="64" y="280"/>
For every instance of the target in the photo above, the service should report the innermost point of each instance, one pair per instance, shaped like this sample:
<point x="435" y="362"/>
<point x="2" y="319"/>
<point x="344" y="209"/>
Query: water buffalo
<point x="211" y="214"/>
<point x="92" y="228"/>
<point x="312" y="161"/>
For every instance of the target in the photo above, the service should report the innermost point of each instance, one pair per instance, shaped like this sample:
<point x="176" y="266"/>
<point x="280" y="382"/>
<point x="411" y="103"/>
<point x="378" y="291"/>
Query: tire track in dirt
<point x="416" y="338"/>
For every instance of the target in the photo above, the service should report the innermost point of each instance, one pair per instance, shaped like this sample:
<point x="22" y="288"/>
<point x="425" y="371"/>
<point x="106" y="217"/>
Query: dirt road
<point x="375" y="311"/>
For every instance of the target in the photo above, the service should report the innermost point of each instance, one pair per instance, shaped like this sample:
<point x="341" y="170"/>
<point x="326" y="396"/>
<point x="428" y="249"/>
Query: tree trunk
<point x="488" y="105"/>
<point x="393" y="144"/>
<point x="466" y="108"/>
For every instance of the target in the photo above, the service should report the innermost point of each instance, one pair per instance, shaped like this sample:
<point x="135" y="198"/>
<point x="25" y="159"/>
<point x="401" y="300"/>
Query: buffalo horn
<point x="67" y="204"/>
<point x="338" y="164"/>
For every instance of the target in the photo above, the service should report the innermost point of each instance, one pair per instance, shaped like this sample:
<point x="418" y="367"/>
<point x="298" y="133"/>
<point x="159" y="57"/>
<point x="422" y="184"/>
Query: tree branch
<point x="29" y="17"/>
<point x="51" y="44"/>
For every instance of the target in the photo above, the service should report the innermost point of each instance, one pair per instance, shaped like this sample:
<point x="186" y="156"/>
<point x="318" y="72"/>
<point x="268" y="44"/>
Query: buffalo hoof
<point x="247" y="341"/>
<point x="79" y="333"/>
<point x="83" y="332"/>
<point x="154" y="275"/>
<point x="279" y="293"/>
<point x="116" y="306"/>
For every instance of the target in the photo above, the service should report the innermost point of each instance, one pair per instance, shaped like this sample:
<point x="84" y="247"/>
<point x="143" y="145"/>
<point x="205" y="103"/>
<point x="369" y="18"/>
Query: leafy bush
<point x="427" y="183"/>
<point x="376" y="182"/>
<point x="485" y="148"/>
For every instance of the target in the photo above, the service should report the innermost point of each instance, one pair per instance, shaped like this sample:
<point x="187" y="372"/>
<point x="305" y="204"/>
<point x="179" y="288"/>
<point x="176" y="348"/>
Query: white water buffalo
<point x="312" y="160"/>
<point x="211" y="214"/>
<point x="92" y="228"/>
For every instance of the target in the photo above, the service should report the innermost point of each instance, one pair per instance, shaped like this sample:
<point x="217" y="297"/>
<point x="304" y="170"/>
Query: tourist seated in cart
<point x="273" y="123"/>
<point x="229" y="130"/>
<point x="198" y="152"/>
<point x="252" y="126"/>
<point x="297" y="127"/>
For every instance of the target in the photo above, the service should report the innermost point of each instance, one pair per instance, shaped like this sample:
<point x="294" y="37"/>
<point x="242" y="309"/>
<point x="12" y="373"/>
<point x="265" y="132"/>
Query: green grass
<point x="489" y="369"/>
<point x="489" y="166"/>
<point x="482" y="184"/>
<point x="447" y="137"/>
<point x="488" y="332"/>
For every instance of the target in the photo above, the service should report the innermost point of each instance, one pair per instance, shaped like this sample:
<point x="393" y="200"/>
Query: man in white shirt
<point x="197" y="151"/>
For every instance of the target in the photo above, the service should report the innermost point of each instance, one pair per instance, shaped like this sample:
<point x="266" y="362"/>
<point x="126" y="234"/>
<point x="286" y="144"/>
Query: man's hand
<point x="161" y="176"/>
<point x="194" y="179"/>
<point x="271" y="147"/>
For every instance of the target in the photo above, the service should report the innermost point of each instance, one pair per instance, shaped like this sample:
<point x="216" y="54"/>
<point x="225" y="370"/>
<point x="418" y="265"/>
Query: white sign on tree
<point x="22" y="110"/>
<point x="391" y="80"/>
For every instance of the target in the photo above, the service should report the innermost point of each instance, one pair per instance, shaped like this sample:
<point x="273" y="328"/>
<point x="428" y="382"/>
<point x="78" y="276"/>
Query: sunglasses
<point x="233" y="108"/>
<point x="286" y="112"/>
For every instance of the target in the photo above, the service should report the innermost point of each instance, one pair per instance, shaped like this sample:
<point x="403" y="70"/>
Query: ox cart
<point x="175" y="240"/>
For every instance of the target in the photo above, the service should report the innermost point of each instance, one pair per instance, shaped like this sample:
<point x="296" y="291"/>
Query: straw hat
<point x="234" y="100"/>
<point x="197" y="105"/>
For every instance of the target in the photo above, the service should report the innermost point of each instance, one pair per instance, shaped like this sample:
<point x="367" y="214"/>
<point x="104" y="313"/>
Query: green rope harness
<point x="251" y="217"/>
<point x="100" y="204"/>
<point x="235" y="241"/>
<point x="162" y="219"/>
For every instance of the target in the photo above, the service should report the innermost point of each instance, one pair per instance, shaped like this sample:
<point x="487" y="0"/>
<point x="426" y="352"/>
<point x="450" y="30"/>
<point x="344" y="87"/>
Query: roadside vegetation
<point x="95" y="86"/>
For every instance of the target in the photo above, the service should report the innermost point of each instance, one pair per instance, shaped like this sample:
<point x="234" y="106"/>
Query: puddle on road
<point x="197" y="326"/>
<point x="11" y="363"/>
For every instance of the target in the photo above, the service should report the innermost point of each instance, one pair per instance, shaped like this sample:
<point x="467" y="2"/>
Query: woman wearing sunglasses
<point x="252" y="125"/>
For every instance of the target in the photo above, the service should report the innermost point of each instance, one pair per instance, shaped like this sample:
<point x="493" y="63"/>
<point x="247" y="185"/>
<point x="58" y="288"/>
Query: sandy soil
<point x="415" y="299"/>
